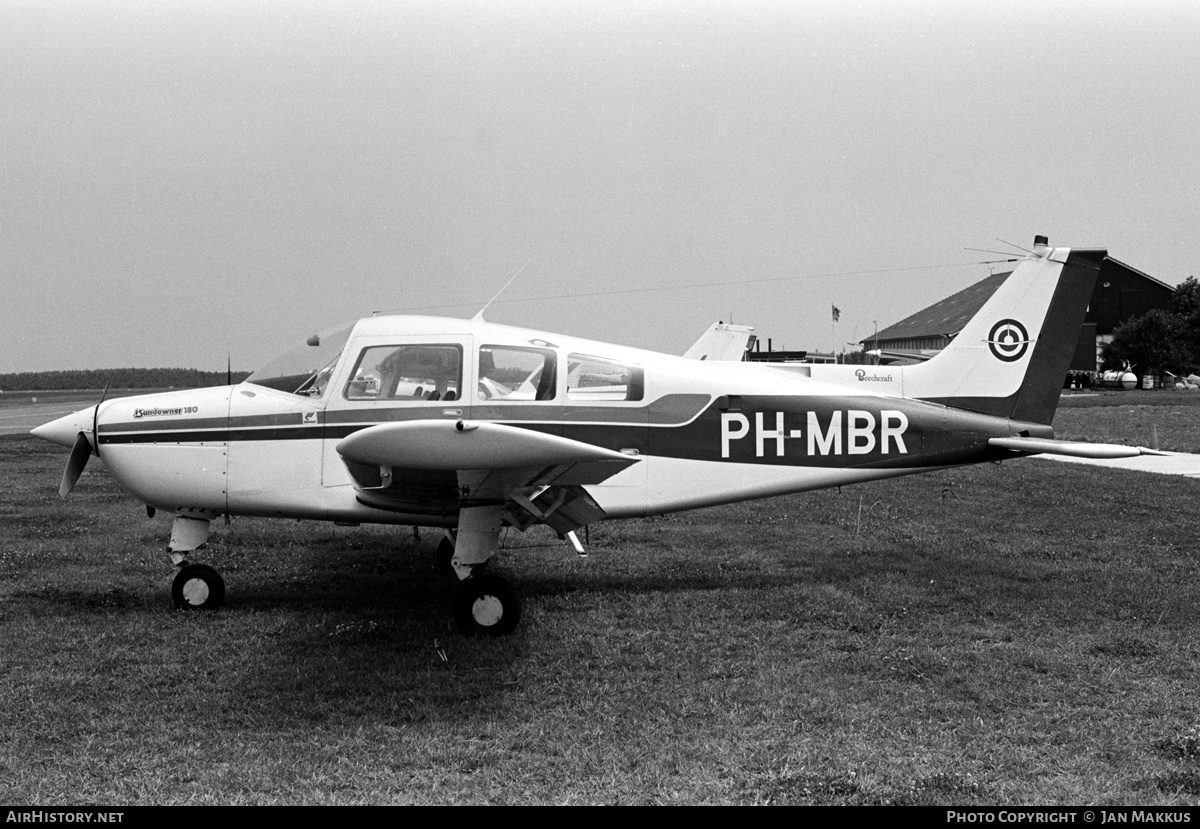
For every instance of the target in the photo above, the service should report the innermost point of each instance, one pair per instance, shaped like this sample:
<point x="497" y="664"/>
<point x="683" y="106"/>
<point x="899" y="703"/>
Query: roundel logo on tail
<point x="1008" y="340"/>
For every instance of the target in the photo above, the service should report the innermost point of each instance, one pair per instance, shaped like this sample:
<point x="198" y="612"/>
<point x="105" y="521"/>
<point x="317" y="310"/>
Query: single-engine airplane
<point x="471" y="426"/>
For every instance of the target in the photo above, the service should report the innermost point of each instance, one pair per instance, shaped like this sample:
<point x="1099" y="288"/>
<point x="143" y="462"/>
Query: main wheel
<point x="198" y="587"/>
<point x="486" y="604"/>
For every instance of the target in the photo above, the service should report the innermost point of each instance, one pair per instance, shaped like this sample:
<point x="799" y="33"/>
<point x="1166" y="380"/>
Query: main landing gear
<point x="483" y="603"/>
<point x="486" y="604"/>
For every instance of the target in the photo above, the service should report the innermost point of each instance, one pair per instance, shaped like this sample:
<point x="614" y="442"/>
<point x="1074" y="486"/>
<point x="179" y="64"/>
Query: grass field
<point x="1005" y="634"/>
<point x="1170" y="419"/>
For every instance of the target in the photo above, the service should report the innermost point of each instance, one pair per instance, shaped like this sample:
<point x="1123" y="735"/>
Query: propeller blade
<point x="80" y="452"/>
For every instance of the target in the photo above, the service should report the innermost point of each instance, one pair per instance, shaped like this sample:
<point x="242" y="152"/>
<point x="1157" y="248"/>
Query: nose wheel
<point x="486" y="604"/>
<point x="198" y="587"/>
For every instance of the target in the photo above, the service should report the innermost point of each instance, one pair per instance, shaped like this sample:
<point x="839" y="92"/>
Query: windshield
<point x="305" y="368"/>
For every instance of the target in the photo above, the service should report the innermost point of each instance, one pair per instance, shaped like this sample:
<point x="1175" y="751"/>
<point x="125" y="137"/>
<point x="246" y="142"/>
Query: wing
<point x="1039" y="446"/>
<point x="434" y="466"/>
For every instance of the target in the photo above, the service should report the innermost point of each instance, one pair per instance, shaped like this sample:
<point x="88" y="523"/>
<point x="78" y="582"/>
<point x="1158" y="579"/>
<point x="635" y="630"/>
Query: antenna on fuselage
<point x="479" y="317"/>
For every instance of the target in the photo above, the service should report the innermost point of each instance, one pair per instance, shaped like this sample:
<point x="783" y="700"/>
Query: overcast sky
<point x="187" y="180"/>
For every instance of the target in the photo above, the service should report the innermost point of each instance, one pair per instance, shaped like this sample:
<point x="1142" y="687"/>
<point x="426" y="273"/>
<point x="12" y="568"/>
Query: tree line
<point x="1162" y="340"/>
<point x="116" y="378"/>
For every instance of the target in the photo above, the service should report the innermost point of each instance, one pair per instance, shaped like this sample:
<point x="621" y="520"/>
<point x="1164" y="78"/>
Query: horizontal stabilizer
<point x="1044" y="446"/>
<point x="459" y="445"/>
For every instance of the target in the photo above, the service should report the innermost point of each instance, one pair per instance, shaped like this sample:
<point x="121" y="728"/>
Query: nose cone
<point x="64" y="430"/>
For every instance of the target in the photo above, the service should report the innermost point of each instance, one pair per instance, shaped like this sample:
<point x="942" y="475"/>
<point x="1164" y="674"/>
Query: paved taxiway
<point x="18" y="420"/>
<point x="1169" y="463"/>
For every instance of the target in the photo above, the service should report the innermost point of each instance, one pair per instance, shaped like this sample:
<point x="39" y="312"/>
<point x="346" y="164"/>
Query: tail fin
<point x="722" y="341"/>
<point x="1011" y="358"/>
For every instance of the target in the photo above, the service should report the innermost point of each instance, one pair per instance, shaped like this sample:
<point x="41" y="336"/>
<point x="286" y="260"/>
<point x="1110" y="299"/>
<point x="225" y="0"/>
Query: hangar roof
<point x="946" y="317"/>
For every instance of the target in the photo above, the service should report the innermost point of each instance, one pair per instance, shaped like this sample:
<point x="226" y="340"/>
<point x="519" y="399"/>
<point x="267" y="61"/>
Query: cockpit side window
<point x="517" y="373"/>
<point x="407" y="372"/>
<point x="599" y="378"/>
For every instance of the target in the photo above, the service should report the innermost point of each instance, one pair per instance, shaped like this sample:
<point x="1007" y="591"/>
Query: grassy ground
<point x="1024" y="633"/>
<point x="1140" y="418"/>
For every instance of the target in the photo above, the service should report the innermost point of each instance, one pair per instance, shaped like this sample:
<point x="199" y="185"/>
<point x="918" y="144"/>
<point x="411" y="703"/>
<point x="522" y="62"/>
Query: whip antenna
<point x="479" y="316"/>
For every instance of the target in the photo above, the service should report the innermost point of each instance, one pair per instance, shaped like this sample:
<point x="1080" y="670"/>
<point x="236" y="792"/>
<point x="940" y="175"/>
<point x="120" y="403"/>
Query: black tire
<point x="445" y="554"/>
<point x="486" y="605"/>
<point x="198" y="587"/>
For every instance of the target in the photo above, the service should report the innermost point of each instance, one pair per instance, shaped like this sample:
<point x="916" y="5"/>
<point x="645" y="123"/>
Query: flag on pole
<point x="836" y="313"/>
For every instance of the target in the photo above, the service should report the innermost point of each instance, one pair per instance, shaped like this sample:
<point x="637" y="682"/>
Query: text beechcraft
<point x="471" y="426"/>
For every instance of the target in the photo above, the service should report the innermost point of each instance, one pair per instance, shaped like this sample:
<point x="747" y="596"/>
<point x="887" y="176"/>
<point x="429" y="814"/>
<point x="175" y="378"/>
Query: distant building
<point x="1121" y="293"/>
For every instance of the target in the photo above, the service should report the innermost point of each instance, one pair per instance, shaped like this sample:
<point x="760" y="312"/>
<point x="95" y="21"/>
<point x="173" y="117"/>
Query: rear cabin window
<point x="407" y="372"/>
<point x="510" y="373"/>
<point x="598" y="378"/>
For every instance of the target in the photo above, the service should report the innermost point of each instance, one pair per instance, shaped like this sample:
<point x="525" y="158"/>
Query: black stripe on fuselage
<point x="217" y="435"/>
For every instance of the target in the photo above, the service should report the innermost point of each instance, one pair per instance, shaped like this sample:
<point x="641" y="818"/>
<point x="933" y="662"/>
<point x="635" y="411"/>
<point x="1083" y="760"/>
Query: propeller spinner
<point x="78" y="431"/>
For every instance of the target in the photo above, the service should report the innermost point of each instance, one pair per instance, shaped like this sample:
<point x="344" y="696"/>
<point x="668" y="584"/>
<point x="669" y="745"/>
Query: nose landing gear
<point x="197" y="587"/>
